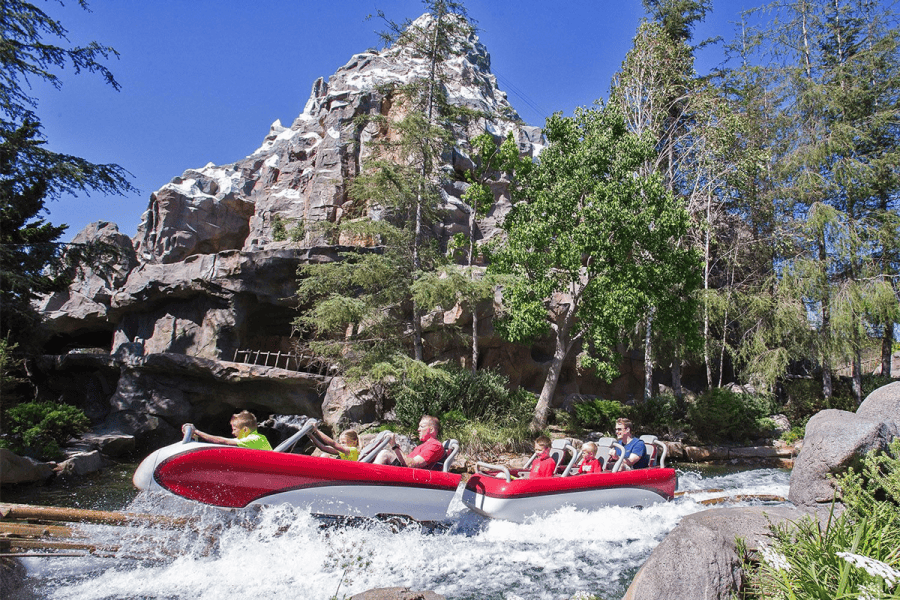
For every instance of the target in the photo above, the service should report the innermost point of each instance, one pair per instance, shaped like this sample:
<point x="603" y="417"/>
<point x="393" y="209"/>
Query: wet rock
<point x="396" y="593"/>
<point x="82" y="464"/>
<point x="699" y="558"/>
<point x="12" y="577"/>
<point x="22" y="469"/>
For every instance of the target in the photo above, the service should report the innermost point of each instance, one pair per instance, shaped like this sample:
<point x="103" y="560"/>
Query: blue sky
<point x="203" y="80"/>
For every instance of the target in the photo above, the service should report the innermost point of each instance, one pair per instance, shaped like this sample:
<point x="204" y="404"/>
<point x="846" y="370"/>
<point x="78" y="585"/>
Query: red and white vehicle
<point x="233" y="477"/>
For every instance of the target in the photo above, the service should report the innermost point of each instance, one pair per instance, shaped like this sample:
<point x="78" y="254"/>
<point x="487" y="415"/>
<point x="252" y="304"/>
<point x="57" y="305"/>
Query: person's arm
<point x="633" y="457"/>
<point x="212" y="439"/>
<point x="402" y="459"/>
<point x="323" y="442"/>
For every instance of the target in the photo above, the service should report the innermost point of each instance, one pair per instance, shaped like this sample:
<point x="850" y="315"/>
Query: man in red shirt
<point x="543" y="465"/>
<point x="423" y="456"/>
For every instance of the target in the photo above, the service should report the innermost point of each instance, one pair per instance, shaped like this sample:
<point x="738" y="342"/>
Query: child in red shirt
<point x="590" y="464"/>
<point x="543" y="465"/>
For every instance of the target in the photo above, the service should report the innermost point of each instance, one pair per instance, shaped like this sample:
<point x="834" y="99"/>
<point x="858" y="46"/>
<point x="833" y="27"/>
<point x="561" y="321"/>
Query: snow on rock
<point x="300" y="174"/>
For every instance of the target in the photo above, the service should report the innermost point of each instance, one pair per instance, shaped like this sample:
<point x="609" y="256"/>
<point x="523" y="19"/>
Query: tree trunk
<point x="857" y="377"/>
<point x="542" y="410"/>
<point x="563" y="345"/>
<point x="887" y="346"/>
<point x="648" y="357"/>
<point x="474" y="304"/>
<point x="676" y="373"/>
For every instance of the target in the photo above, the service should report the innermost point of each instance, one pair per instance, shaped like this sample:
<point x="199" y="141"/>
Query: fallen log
<point x="743" y="498"/>
<point x="25" y="512"/>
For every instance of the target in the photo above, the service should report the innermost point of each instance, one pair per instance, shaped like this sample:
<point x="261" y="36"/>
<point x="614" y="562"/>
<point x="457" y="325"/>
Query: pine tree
<point x="30" y="259"/>
<point x="371" y="312"/>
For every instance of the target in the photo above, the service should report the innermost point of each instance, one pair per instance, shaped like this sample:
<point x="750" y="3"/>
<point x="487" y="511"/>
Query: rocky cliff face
<point x="206" y="279"/>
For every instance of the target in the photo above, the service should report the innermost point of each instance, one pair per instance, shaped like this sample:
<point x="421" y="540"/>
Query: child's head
<point x="541" y="443"/>
<point x="243" y="423"/>
<point x="349" y="438"/>
<point x="589" y="449"/>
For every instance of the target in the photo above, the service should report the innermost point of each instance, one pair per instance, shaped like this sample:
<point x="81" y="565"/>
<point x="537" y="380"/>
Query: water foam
<point x="282" y="551"/>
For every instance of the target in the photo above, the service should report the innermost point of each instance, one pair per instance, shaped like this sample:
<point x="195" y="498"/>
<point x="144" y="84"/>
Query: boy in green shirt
<point x="243" y="426"/>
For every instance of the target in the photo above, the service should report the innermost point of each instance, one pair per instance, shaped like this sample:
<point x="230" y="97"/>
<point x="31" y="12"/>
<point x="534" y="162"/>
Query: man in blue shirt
<point x="636" y="456"/>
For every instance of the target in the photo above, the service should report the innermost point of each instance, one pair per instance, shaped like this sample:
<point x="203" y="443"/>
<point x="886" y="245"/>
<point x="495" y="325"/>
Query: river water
<point x="282" y="552"/>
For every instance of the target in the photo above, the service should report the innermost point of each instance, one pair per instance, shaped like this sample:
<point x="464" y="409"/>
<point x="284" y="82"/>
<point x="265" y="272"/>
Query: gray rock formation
<point x="21" y="469"/>
<point x="699" y="558"/>
<point x="883" y="405"/>
<point x="835" y="440"/>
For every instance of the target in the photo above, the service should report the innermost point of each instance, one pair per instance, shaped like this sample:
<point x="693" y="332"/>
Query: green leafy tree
<point x="660" y="95"/>
<point x="592" y="245"/>
<point x="30" y="261"/>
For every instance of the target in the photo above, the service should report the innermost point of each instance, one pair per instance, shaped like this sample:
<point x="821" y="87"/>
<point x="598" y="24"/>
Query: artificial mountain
<point x="194" y="319"/>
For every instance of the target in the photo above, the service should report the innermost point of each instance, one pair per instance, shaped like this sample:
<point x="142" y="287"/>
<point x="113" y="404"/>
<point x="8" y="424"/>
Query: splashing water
<point x="280" y="551"/>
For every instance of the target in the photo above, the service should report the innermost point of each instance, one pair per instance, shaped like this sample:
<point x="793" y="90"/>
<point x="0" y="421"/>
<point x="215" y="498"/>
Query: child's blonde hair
<point x="589" y="447"/>
<point x="351" y="436"/>
<point x="543" y="441"/>
<point x="243" y="419"/>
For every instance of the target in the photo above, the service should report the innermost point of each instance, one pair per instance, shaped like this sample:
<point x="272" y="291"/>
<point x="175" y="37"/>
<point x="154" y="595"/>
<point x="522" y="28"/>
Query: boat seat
<point x="451" y="449"/>
<point x="656" y="450"/>
<point x="558" y="450"/>
<point x="604" y="445"/>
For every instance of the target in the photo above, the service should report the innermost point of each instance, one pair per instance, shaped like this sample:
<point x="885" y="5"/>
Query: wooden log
<point x="742" y="498"/>
<point x="33" y="530"/>
<point x="76" y="515"/>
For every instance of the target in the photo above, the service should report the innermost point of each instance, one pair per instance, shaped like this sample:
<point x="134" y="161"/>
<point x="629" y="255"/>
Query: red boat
<point x="502" y="493"/>
<point x="232" y="477"/>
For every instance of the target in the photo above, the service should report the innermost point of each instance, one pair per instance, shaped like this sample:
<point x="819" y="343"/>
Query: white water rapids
<point x="281" y="552"/>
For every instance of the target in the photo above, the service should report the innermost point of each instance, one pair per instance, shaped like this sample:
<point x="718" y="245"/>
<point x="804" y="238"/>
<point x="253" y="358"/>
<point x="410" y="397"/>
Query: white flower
<point x="775" y="559"/>
<point x="873" y="567"/>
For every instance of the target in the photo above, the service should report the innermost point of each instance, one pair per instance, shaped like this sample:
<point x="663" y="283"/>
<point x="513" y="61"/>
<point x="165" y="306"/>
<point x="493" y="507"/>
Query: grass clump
<point x="853" y="555"/>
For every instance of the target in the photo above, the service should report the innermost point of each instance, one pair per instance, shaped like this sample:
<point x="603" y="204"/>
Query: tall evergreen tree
<point x="29" y="173"/>
<point x="364" y="323"/>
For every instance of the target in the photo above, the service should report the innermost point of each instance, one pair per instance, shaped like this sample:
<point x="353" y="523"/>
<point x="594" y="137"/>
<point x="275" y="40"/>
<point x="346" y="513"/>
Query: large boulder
<point x="699" y="558"/>
<point x="834" y="441"/>
<point x="346" y="403"/>
<point x="883" y="405"/>
<point x="21" y="469"/>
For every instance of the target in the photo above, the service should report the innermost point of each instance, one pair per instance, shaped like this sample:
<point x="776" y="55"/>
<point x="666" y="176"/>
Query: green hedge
<point x="38" y="429"/>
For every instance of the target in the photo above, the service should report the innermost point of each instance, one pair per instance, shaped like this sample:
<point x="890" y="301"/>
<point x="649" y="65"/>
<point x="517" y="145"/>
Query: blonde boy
<point x="243" y="427"/>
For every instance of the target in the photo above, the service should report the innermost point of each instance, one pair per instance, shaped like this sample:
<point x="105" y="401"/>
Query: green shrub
<point x="457" y="394"/>
<point x="597" y="414"/>
<point x="38" y="429"/>
<point x="657" y="415"/>
<point x="720" y="415"/>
